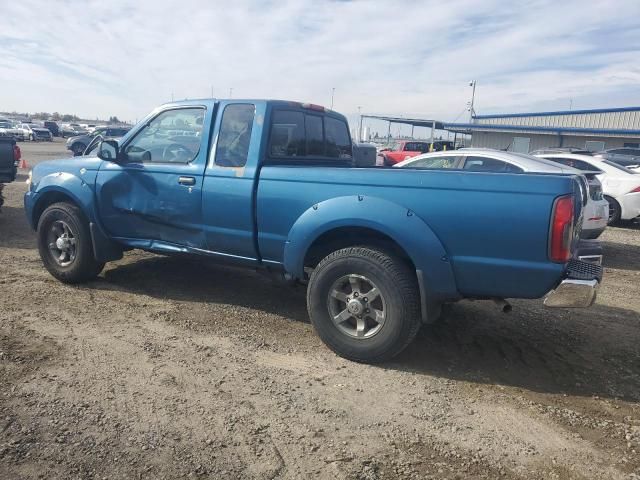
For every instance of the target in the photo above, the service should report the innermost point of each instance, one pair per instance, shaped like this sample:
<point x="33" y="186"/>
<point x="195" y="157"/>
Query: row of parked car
<point x="613" y="189"/>
<point x="46" y="130"/>
<point x="24" y="131"/>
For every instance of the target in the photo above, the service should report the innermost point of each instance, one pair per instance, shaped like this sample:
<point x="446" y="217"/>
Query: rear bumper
<point x="579" y="288"/>
<point x="629" y="205"/>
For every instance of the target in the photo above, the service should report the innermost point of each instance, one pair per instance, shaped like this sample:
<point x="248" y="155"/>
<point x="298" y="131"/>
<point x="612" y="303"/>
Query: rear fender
<point x="400" y="224"/>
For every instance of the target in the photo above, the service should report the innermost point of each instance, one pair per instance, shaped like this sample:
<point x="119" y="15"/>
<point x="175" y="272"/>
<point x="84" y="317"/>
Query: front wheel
<point x="364" y="304"/>
<point x="64" y="243"/>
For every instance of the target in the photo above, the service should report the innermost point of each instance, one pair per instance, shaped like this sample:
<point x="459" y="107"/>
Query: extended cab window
<point x="297" y="134"/>
<point x="172" y="136"/>
<point x="235" y="135"/>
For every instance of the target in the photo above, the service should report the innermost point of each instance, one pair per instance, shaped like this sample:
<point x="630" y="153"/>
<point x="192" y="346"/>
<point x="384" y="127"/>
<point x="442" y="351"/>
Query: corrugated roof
<point x="559" y="112"/>
<point x="416" y="122"/>
<point x="467" y="127"/>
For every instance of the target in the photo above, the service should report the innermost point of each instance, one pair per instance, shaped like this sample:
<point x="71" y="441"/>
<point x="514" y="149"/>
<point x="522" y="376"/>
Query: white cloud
<point x="398" y="57"/>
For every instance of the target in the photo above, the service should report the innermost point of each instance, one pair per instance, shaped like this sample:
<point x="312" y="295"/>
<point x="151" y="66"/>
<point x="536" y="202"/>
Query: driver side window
<point x="173" y="136"/>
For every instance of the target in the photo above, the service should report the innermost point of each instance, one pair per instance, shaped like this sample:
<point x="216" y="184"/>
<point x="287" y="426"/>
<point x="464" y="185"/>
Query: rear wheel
<point x="614" y="211"/>
<point x="364" y="304"/>
<point x="64" y="243"/>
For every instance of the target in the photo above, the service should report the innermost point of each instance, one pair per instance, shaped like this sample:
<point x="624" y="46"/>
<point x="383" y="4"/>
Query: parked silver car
<point x="78" y="144"/>
<point x="626" y="157"/>
<point x="497" y="161"/>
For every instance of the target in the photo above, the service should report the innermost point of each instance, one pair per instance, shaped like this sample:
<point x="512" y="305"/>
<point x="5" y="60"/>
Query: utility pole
<point x="472" y="112"/>
<point x="360" y="124"/>
<point x="333" y="92"/>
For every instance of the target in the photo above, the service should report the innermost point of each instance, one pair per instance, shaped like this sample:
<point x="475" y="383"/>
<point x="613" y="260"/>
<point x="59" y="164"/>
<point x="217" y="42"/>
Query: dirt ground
<point x="163" y="368"/>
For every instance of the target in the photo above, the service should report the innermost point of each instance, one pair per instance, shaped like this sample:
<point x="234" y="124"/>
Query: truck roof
<point x="272" y="102"/>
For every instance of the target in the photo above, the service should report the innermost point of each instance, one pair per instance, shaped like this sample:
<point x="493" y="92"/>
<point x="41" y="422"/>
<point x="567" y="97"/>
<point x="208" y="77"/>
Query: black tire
<point x="398" y="288"/>
<point x="84" y="266"/>
<point x="78" y="149"/>
<point x="614" y="211"/>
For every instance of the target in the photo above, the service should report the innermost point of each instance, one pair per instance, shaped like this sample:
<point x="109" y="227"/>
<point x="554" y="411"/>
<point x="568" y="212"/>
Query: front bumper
<point x="580" y="285"/>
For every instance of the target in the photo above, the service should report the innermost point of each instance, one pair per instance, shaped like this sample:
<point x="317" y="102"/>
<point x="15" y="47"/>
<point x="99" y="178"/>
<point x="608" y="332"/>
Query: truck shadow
<point x="188" y="280"/>
<point x="580" y="352"/>
<point x="621" y="256"/>
<point x="589" y="352"/>
<point x="14" y="230"/>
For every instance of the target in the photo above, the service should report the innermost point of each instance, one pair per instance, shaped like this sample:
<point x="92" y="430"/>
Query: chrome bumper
<point x="573" y="294"/>
<point x="579" y="288"/>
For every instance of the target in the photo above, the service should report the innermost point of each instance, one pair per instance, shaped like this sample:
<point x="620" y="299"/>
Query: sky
<point x="395" y="57"/>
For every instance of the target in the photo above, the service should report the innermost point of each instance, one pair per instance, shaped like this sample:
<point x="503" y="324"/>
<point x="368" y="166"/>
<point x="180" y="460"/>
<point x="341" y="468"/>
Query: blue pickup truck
<point x="278" y="185"/>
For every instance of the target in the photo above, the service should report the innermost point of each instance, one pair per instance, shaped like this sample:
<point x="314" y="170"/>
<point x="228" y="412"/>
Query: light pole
<point x="472" y="112"/>
<point x="231" y="92"/>
<point x="333" y="92"/>
<point x="360" y="124"/>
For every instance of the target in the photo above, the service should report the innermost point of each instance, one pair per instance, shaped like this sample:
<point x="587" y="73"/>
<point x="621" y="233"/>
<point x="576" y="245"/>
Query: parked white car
<point x="621" y="186"/>
<point x="485" y="160"/>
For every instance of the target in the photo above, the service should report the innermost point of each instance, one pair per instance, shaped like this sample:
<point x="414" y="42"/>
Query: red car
<point x="404" y="149"/>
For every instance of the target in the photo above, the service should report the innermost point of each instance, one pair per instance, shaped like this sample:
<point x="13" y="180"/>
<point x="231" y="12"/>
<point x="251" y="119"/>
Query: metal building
<point x="593" y="130"/>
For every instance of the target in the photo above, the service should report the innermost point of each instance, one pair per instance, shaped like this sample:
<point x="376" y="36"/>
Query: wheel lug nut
<point x="365" y="299"/>
<point x="355" y="294"/>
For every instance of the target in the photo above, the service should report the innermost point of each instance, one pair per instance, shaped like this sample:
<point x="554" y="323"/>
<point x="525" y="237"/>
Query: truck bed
<point x="492" y="227"/>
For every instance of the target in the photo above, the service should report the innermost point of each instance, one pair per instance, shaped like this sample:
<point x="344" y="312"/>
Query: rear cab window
<point x="306" y="137"/>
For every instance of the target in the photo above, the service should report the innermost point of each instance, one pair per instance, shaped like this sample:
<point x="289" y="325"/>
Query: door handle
<point x="190" y="181"/>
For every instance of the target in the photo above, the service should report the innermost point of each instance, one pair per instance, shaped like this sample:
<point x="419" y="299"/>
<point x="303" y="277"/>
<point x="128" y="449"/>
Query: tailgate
<point x="7" y="162"/>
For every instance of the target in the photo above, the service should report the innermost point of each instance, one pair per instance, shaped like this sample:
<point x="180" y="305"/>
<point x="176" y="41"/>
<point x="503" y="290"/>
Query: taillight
<point x="561" y="230"/>
<point x="635" y="190"/>
<point x="17" y="154"/>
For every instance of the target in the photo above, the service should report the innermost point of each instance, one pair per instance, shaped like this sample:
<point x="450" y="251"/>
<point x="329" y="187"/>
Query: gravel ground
<point x="163" y="368"/>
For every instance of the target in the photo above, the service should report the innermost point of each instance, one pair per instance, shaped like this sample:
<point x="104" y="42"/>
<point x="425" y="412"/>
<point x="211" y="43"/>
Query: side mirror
<point x="109" y="150"/>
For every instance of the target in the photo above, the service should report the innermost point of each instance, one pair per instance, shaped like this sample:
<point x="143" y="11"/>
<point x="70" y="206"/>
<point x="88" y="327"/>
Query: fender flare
<point x="104" y="249"/>
<point x="400" y="224"/>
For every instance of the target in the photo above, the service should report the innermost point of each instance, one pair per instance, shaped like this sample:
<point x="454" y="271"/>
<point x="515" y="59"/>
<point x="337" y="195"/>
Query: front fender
<point x="79" y="190"/>
<point x="68" y="184"/>
<point x="399" y="223"/>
